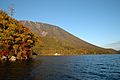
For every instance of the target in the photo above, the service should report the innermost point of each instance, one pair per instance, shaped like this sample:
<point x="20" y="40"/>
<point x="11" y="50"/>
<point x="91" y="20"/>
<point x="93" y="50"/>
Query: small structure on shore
<point x="56" y="54"/>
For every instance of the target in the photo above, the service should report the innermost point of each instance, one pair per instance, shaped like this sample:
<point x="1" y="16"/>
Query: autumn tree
<point x="15" y="39"/>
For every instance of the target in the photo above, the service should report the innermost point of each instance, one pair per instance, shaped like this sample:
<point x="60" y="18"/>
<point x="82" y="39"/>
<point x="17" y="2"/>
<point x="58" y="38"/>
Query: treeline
<point x="73" y="52"/>
<point x="50" y="46"/>
<point x="16" y="41"/>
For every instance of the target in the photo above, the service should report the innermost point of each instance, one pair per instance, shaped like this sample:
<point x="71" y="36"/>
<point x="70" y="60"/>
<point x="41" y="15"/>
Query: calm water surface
<point x="84" y="67"/>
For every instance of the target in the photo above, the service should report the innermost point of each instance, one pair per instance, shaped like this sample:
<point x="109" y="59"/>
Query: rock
<point x="13" y="58"/>
<point x="4" y="58"/>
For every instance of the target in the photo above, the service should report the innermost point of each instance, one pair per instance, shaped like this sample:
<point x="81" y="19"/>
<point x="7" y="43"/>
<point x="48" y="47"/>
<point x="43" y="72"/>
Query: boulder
<point x="4" y="58"/>
<point x="13" y="58"/>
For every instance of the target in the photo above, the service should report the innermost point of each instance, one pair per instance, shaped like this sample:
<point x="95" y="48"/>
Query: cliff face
<point x="56" y="39"/>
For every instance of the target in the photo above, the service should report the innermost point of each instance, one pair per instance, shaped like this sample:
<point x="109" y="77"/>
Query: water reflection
<point x="86" y="67"/>
<point x="16" y="71"/>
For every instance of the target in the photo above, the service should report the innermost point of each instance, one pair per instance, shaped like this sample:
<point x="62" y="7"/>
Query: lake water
<point x="84" y="67"/>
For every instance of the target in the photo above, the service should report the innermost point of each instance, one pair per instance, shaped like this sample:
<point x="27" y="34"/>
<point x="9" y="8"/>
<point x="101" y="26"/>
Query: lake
<point x="83" y="67"/>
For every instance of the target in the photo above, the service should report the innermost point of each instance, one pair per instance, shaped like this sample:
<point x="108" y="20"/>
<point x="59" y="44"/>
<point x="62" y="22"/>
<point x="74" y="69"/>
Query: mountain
<point x="57" y="40"/>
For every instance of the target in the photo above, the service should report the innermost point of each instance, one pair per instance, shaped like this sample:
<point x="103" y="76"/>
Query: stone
<point x="4" y="58"/>
<point x="13" y="58"/>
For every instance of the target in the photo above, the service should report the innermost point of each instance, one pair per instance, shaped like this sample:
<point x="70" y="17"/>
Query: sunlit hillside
<point x="57" y="40"/>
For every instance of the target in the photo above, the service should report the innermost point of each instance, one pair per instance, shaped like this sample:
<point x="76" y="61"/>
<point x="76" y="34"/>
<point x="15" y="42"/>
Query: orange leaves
<point x="14" y="36"/>
<point x="17" y="39"/>
<point x="15" y="46"/>
<point x="29" y="41"/>
<point x="22" y="35"/>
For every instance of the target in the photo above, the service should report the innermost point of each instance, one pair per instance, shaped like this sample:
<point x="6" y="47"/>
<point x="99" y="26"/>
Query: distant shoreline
<point x="74" y="54"/>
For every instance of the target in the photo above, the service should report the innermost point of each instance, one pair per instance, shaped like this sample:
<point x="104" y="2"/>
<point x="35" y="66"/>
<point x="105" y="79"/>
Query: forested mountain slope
<point x="58" y="40"/>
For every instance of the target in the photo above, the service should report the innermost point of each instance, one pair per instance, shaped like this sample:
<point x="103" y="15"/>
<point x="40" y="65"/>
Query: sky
<point x="95" y="21"/>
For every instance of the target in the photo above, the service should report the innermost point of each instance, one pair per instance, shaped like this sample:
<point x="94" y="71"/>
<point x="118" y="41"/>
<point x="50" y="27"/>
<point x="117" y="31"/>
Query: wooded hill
<point x="57" y="40"/>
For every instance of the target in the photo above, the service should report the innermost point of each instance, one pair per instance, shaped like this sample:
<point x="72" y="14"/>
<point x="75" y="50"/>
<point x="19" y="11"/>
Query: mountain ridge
<point x="55" y="33"/>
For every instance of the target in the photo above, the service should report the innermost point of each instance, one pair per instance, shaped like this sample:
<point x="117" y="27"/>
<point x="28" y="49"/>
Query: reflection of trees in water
<point x="20" y="70"/>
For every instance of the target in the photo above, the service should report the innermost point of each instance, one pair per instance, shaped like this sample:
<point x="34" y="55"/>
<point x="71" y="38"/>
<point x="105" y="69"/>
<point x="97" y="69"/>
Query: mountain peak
<point x="57" y="39"/>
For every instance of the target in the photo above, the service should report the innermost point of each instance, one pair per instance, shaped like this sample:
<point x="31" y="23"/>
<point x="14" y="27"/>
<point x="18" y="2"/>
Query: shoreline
<point x="73" y="54"/>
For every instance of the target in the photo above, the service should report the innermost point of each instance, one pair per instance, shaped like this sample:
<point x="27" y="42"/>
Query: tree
<point x="11" y="10"/>
<point x="15" y="39"/>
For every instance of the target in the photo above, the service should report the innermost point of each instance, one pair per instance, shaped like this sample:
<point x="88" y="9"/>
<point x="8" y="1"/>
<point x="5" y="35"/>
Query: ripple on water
<point x="85" y="67"/>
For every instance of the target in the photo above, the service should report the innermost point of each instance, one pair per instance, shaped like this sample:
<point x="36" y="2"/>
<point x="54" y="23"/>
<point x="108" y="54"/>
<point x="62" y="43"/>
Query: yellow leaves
<point x="15" y="36"/>
<point x="28" y="37"/>
<point x="1" y="30"/>
<point x="17" y="39"/>
<point x="15" y="46"/>
<point x="29" y="41"/>
<point x="1" y="17"/>
<point x="6" y="31"/>
<point x="22" y="35"/>
<point x="12" y="25"/>
<point x="23" y="39"/>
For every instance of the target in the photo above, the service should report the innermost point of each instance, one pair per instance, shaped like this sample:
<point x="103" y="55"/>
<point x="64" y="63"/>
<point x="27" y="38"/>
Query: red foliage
<point x="4" y="53"/>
